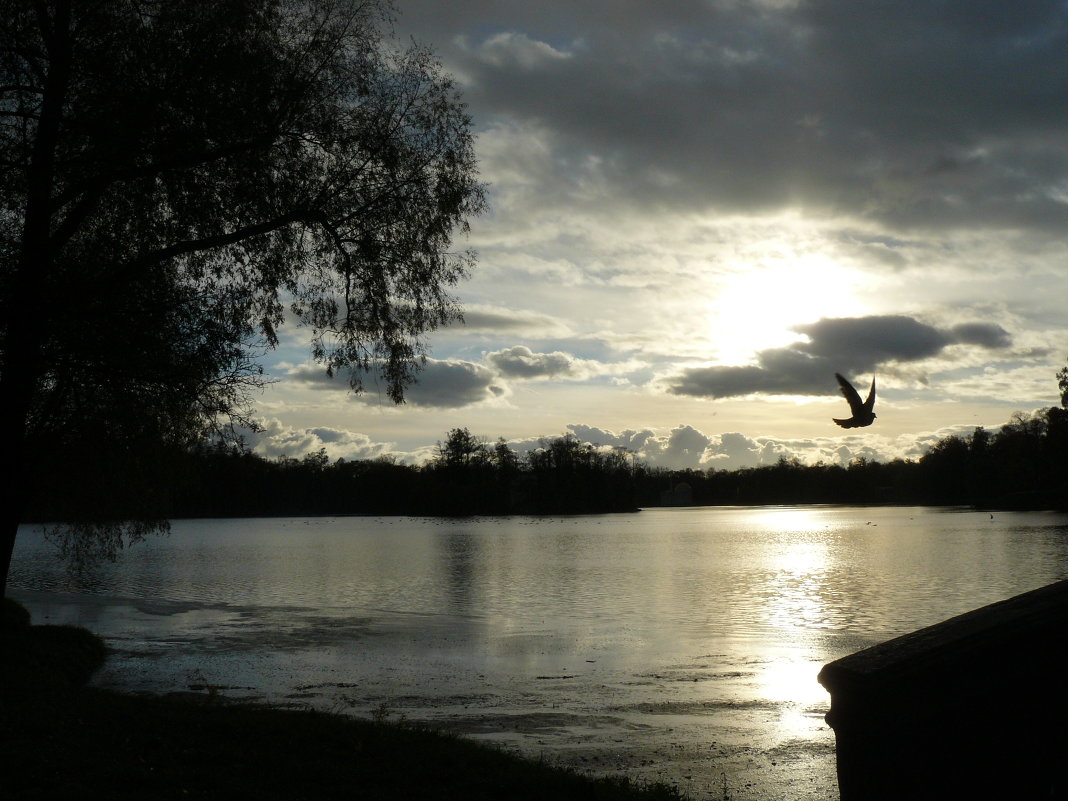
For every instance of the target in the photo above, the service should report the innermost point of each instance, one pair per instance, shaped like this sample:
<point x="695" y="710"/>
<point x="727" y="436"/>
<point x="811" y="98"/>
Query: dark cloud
<point x="441" y="384"/>
<point x="521" y="362"/>
<point x="863" y="342"/>
<point x="849" y="345"/>
<point x="451" y="384"/>
<point x="726" y="382"/>
<point x="314" y="376"/>
<point x="906" y="111"/>
<point x="329" y="435"/>
<point x="505" y="321"/>
<point x="987" y="335"/>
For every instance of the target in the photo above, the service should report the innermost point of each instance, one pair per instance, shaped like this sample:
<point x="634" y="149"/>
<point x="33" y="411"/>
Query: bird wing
<point x="869" y="403"/>
<point x="851" y="395"/>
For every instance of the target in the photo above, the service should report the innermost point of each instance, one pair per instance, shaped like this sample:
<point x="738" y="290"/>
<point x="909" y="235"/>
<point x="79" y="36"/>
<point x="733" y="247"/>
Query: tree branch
<point x="221" y="240"/>
<point x="70" y="224"/>
<point x="182" y="162"/>
<point x="15" y="87"/>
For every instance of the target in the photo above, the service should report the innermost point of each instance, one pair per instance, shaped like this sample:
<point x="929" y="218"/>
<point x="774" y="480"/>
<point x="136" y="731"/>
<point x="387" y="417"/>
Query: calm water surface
<point x="674" y="644"/>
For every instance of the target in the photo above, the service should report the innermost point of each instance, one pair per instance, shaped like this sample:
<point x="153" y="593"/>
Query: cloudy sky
<point x="702" y="210"/>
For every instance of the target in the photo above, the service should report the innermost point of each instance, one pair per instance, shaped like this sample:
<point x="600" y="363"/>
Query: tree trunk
<point x="17" y="388"/>
<point x="10" y="517"/>
<point x="26" y="307"/>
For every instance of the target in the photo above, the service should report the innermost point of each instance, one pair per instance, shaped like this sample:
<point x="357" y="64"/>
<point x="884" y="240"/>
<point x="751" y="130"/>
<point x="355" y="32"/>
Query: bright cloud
<point x="277" y="439"/>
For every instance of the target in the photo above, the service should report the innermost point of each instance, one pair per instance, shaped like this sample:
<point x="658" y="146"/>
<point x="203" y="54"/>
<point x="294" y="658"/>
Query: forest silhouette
<point x="1019" y="466"/>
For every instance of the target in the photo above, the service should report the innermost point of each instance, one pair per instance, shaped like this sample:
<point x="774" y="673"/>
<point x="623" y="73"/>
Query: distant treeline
<point x="467" y="477"/>
<point x="1024" y="465"/>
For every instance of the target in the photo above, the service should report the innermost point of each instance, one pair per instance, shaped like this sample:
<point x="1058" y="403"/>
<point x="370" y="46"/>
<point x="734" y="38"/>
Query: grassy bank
<point x="65" y="741"/>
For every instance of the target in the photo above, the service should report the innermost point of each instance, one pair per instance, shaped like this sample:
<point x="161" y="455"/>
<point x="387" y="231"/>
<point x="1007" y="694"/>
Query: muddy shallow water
<point x="672" y="645"/>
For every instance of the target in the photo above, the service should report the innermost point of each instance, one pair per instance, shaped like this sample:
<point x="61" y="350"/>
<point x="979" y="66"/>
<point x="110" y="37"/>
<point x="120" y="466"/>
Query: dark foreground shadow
<point x="970" y="708"/>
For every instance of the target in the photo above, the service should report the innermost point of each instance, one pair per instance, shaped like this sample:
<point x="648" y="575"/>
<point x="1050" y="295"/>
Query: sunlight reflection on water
<point x="679" y="640"/>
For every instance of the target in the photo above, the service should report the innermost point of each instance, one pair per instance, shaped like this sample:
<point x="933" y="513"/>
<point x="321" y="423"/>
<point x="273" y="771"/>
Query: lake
<point x="679" y="645"/>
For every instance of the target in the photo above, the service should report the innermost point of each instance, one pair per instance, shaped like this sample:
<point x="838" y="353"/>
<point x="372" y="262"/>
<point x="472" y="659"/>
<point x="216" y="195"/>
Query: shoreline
<point x="70" y="741"/>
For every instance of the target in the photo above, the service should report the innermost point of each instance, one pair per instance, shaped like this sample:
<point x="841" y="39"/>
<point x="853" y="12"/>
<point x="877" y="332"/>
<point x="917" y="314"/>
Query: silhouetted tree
<point x="567" y="475"/>
<point x="504" y="458"/>
<point x="1062" y="384"/>
<point x="171" y="173"/>
<point x="462" y="449"/>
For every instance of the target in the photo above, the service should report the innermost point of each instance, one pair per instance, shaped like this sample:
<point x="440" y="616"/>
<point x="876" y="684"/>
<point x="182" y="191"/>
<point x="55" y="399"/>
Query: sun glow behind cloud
<point x="760" y="304"/>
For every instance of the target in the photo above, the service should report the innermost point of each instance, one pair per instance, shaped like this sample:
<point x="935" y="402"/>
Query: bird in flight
<point x="863" y="412"/>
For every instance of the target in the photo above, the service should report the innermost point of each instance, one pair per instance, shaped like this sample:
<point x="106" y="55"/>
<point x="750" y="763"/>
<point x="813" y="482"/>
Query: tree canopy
<point x="177" y="177"/>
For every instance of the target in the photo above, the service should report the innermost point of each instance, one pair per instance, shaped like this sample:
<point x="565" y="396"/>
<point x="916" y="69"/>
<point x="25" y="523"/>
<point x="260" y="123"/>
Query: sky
<point x="700" y="211"/>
